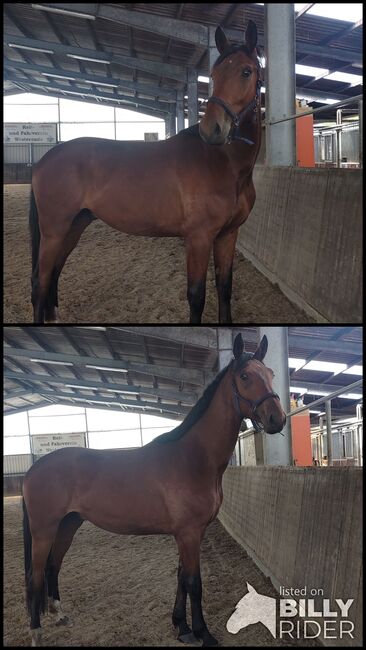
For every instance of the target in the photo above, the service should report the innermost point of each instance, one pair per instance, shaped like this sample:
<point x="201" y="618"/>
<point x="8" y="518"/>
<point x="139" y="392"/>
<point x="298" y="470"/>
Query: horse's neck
<point x="243" y="156"/>
<point x="218" y="429"/>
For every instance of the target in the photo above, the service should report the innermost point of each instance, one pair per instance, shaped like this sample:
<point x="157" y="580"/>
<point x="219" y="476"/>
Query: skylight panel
<point x="325" y="366"/>
<point x="349" y="12"/>
<point x="353" y="79"/>
<point x="354" y="370"/>
<point x="295" y="363"/>
<point x="309" y="70"/>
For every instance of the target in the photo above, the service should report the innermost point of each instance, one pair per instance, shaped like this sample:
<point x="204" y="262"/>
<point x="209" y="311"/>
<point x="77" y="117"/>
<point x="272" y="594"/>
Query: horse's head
<point x="252" y="386"/>
<point x="236" y="85"/>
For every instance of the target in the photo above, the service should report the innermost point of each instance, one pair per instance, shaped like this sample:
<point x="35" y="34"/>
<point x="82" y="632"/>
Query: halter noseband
<point x="236" y="117"/>
<point x="253" y="405"/>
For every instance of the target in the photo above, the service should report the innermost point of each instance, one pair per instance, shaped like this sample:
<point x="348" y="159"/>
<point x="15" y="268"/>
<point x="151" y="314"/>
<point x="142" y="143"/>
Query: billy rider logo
<point x="325" y="620"/>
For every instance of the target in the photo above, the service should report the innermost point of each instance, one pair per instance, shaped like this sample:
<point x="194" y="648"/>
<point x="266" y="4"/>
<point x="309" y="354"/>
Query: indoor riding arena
<point x="141" y="72"/>
<point x="288" y="535"/>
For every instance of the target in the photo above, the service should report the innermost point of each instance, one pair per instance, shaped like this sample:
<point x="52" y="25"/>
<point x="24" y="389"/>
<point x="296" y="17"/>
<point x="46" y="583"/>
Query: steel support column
<point x="213" y="54"/>
<point x="225" y="350"/>
<point x="192" y="97"/>
<point x="180" y="110"/>
<point x="170" y="129"/>
<point x="280" y="83"/>
<point x="328" y="415"/>
<point x="278" y="448"/>
<point x="360" y="134"/>
<point x="225" y="346"/>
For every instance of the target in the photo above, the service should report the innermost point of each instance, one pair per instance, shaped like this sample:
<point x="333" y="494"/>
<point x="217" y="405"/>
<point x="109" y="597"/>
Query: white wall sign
<point x="43" y="444"/>
<point x="29" y="133"/>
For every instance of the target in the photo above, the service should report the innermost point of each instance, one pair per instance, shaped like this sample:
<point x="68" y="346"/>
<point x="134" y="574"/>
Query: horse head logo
<point x="253" y="608"/>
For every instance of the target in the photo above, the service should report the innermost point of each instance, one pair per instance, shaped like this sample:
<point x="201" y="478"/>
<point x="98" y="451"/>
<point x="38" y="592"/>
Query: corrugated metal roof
<point x="21" y="19"/>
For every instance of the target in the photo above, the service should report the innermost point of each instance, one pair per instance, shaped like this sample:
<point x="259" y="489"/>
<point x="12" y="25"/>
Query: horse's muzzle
<point x="275" y="426"/>
<point x="217" y="136"/>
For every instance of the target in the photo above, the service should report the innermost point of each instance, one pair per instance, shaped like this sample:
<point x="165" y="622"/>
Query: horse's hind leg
<point x="36" y="588"/>
<point x="49" y="251"/>
<point x="81" y="221"/>
<point x="65" y="534"/>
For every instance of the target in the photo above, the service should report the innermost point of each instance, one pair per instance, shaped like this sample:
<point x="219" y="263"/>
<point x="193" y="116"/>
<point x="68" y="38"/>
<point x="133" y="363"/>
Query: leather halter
<point x="253" y="404"/>
<point x="236" y="117"/>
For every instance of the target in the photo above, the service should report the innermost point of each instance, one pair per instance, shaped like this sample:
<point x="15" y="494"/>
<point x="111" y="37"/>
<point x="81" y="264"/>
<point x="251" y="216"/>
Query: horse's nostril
<point x="217" y="129"/>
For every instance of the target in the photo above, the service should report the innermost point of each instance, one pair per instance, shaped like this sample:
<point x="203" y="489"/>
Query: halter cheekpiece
<point x="253" y="404"/>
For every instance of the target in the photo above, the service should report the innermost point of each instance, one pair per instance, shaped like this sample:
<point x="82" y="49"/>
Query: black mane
<point x="195" y="413"/>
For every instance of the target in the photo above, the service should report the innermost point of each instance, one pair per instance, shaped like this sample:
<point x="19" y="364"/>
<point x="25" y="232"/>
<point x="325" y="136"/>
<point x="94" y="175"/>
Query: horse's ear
<point x="261" y="350"/>
<point x="251" y="36"/>
<point x="238" y="346"/>
<point x="221" y="41"/>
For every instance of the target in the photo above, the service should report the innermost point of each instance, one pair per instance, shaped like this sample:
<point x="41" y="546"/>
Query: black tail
<point x="34" y="231"/>
<point x="27" y="538"/>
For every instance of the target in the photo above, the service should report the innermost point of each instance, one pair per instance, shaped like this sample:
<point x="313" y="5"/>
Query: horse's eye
<point x="246" y="72"/>
<point x="243" y="376"/>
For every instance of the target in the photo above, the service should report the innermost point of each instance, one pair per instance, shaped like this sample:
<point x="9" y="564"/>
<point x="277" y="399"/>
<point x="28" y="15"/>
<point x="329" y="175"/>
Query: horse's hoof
<point x="36" y="638"/>
<point x="65" y="620"/>
<point x="189" y="638"/>
<point x="209" y="641"/>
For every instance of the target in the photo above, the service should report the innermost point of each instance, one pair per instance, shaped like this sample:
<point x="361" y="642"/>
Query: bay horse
<point x="170" y="486"/>
<point x="196" y="185"/>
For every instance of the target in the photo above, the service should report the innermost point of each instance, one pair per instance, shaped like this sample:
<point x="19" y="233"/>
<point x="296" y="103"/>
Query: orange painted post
<point x="305" y="154"/>
<point x="301" y="439"/>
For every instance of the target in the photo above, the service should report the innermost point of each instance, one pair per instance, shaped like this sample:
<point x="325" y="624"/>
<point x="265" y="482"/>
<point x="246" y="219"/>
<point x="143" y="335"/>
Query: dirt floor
<point x="113" y="277"/>
<point x="120" y="590"/>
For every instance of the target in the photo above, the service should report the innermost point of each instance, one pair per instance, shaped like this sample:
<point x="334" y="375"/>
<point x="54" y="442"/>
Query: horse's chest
<point x="243" y="207"/>
<point x="217" y="497"/>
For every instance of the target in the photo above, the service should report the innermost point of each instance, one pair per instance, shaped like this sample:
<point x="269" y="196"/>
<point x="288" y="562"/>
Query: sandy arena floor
<point x="120" y="590"/>
<point x="113" y="277"/>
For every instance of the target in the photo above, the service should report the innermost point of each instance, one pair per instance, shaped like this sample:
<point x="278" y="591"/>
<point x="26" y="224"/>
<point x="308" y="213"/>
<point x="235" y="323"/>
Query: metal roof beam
<point x="30" y="407"/>
<point x="314" y="386"/>
<point x="183" y="30"/>
<point x="12" y="394"/>
<point x="89" y="78"/>
<point x="189" y="398"/>
<point x="73" y="90"/>
<point x="304" y="10"/>
<point x="314" y="343"/>
<point x="204" y="337"/>
<point x="155" y="67"/>
<point x="320" y="94"/>
<point x="61" y="95"/>
<point x="190" y="375"/>
<point x="107" y="400"/>
<point x="142" y="410"/>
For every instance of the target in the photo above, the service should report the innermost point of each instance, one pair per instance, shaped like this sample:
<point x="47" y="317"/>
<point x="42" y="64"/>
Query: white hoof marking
<point x="36" y="637"/>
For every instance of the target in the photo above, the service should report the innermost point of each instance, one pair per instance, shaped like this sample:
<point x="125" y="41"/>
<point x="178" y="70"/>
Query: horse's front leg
<point x="224" y="249"/>
<point x="198" y="248"/>
<point x="189" y="550"/>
